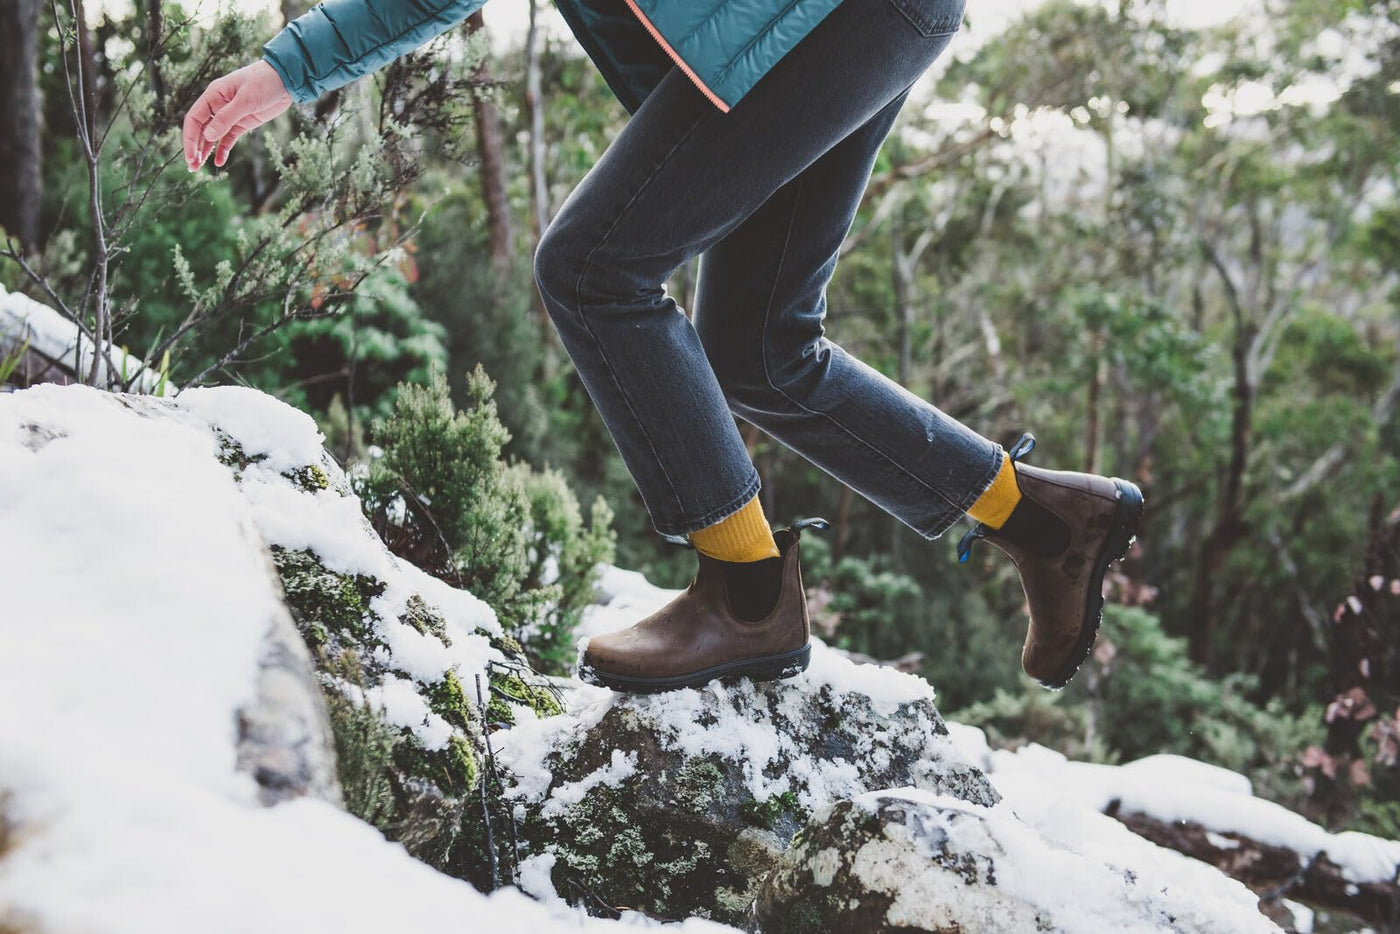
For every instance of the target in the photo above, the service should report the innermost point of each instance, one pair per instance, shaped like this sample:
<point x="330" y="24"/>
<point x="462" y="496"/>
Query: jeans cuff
<point x="686" y="526"/>
<point x="947" y="518"/>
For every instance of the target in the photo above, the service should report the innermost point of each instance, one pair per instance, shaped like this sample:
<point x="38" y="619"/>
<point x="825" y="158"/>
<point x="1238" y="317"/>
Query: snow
<point x="619" y="768"/>
<point x="1173" y="788"/>
<point x="743" y="724"/>
<point x="26" y="321"/>
<point x="1079" y="889"/>
<point x="286" y="436"/>
<point x="402" y="705"/>
<point x="138" y="592"/>
<point x="331" y="523"/>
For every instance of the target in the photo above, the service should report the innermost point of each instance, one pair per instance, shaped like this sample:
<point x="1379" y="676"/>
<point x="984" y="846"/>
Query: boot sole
<point x="763" y="668"/>
<point x="1127" y="519"/>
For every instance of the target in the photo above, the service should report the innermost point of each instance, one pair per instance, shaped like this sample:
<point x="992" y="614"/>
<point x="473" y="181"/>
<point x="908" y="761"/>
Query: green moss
<point x="231" y="454"/>
<point x="767" y="813"/>
<point x="323" y="601"/>
<point x="505" y="642"/>
<point x="310" y="478"/>
<point x="798" y="918"/>
<point x="448" y="700"/>
<point x="516" y="690"/>
<point x="462" y="764"/>
<point x="425" y="618"/>
<point x="364" y="755"/>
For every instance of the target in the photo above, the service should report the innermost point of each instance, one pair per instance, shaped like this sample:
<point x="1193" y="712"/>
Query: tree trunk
<point x="492" y="151"/>
<point x="1229" y="523"/>
<point x="534" y="101"/>
<point x="155" y="26"/>
<point x="19" y="121"/>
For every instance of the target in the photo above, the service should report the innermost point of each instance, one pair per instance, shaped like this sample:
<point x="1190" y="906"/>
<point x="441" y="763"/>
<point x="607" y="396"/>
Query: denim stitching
<point x="723" y="512"/>
<point x="946" y="520"/>
<point x="922" y="25"/>
<point x="767" y="314"/>
<point x="578" y="294"/>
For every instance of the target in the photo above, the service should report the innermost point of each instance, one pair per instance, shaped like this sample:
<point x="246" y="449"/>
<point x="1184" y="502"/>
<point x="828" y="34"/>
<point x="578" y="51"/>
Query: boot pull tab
<point x="1022" y="447"/>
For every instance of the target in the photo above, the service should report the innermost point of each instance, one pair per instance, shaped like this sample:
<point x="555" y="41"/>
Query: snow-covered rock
<point x="146" y="686"/>
<point x="165" y="764"/>
<point x="1176" y="790"/>
<point x="908" y="860"/>
<point x="680" y="803"/>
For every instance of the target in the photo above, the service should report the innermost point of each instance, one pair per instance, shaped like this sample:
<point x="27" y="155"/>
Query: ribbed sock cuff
<point x="742" y="536"/>
<point x="997" y="502"/>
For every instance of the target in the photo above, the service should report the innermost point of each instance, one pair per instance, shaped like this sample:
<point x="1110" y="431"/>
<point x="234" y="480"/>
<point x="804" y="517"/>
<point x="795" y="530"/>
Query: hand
<point x="228" y="108"/>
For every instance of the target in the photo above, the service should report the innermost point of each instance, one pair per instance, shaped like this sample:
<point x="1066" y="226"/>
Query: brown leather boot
<point x="697" y="637"/>
<point x="1064" y="533"/>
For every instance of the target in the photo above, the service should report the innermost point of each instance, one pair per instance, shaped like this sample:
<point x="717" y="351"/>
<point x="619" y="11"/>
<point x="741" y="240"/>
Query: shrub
<point x="442" y="496"/>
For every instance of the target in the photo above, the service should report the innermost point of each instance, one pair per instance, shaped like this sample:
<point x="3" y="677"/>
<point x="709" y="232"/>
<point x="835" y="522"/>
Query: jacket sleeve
<point x="337" y="41"/>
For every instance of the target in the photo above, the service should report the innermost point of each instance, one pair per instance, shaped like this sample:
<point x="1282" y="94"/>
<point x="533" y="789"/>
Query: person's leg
<point x="679" y="178"/>
<point x="759" y="310"/>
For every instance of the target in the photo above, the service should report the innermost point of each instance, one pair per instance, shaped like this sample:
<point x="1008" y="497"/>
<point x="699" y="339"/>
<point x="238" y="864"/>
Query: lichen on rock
<point x="724" y="777"/>
<point x="398" y="653"/>
<point x="905" y="860"/>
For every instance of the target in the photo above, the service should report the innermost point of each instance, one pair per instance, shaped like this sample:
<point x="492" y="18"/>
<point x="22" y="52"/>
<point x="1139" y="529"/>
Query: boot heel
<point x="775" y="667"/>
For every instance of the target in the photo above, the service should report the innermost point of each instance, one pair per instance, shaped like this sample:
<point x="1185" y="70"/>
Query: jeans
<point x="765" y="195"/>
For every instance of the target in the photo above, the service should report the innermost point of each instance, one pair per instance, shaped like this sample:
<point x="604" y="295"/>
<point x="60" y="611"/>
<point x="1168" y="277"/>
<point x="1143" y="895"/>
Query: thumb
<point x="226" y="116"/>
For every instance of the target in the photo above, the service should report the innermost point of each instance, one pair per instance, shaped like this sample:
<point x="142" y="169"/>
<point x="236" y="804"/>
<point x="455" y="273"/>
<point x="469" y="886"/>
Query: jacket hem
<point x="676" y="57"/>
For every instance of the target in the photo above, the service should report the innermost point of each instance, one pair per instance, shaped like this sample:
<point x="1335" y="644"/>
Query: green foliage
<point x="11" y="361"/>
<point x="564" y="556"/>
<point x="379" y="339"/>
<point x="877" y="608"/>
<point x="1143" y="695"/>
<point x="364" y="757"/>
<point x="512" y="537"/>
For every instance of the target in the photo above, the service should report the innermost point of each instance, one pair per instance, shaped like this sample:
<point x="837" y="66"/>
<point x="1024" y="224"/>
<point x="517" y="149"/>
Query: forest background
<point x="1166" y="244"/>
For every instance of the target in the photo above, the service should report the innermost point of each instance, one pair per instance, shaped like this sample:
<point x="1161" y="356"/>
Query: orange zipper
<point x="675" y="57"/>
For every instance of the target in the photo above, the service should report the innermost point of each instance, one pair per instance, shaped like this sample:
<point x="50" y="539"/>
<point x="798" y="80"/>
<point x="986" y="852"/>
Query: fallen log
<point x="1276" y="872"/>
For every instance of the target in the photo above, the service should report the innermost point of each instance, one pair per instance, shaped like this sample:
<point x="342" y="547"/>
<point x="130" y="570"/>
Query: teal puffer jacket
<point x="723" y="46"/>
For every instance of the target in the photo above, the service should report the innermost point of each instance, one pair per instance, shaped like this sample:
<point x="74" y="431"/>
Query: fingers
<point x="198" y="118"/>
<point x="227" y="116"/>
<point x="225" y="144"/>
<point x="213" y="118"/>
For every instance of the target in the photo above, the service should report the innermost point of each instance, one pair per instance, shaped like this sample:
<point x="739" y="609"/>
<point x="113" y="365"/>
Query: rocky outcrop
<point x="284" y="735"/>
<point x="680" y="804"/>
<point x="908" y="861"/>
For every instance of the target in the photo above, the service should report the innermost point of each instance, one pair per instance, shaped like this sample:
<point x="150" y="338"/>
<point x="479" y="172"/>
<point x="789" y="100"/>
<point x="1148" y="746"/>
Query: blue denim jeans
<point x="764" y="195"/>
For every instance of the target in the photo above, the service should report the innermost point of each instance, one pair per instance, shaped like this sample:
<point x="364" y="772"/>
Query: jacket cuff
<point x="288" y="57"/>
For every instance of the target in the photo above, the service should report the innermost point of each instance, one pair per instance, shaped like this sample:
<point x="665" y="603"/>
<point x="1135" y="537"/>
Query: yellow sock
<point x="743" y="536"/>
<point x="995" y="504"/>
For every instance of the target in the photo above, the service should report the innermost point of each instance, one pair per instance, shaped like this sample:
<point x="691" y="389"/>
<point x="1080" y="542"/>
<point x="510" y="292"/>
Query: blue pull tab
<point x="1022" y="447"/>
<point x="965" y="543"/>
<point x="816" y="522"/>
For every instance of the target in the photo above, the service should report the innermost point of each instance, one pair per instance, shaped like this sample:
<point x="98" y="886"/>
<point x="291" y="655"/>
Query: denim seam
<point x="723" y="512"/>
<point x="578" y="296"/>
<point x="945" y="522"/>
<point x="767" y="315"/>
